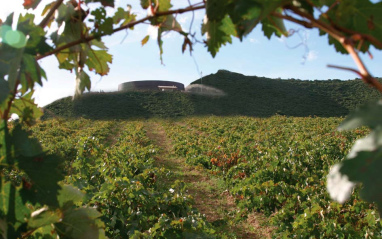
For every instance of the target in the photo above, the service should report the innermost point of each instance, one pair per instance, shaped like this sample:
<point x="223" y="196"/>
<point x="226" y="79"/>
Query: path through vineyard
<point x="208" y="192"/>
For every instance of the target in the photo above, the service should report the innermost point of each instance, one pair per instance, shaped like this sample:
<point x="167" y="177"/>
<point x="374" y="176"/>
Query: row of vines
<point x="108" y="175"/>
<point x="279" y="166"/>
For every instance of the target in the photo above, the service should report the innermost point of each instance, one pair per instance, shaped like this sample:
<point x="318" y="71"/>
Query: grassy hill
<point x="245" y="95"/>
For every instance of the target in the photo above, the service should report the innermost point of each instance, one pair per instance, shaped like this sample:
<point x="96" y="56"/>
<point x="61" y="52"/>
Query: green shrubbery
<point x="245" y="95"/>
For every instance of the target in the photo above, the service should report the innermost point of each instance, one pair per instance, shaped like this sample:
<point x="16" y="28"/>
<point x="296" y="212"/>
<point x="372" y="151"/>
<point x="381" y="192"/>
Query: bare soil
<point x="208" y="191"/>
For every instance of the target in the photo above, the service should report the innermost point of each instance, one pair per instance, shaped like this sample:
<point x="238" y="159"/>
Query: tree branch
<point x="129" y="25"/>
<point x="347" y="43"/>
<point x="346" y="69"/>
<point x="291" y="19"/>
<point x="45" y="21"/>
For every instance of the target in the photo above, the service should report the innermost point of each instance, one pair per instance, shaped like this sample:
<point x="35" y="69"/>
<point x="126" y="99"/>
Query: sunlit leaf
<point x="162" y="6"/>
<point x="68" y="193"/>
<point x="31" y="4"/>
<point x="81" y="223"/>
<point x="98" y="60"/>
<point x="47" y="8"/>
<point x="145" y="40"/>
<point x="44" y="218"/>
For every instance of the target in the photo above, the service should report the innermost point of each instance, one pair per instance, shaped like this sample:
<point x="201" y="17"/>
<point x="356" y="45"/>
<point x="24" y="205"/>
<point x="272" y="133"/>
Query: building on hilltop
<point x="151" y="85"/>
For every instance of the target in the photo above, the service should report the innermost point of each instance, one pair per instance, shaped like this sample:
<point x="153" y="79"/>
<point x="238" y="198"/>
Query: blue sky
<point x="255" y="55"/>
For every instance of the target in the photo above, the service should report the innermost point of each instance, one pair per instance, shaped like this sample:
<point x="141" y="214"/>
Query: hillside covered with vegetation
<point x="244" y="95"/>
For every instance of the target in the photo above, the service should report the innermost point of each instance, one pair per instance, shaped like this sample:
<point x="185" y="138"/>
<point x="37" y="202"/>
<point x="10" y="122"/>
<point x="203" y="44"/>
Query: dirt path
<point x="208" y="191"/>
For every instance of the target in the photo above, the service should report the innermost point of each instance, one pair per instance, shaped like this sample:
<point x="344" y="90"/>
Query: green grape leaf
<point x="321" y="3"/>
<point x="102" y="23"/>
<point x="14" y="68"/>
<point x="145" y="40"/>
<point x="216" y="9"/>
<point x="163" y="5"/>
<point x="128" y="19"/>
<point x="119" y="15"/>
<point x="363" y="165"/>
<point x="125" y="16"/>
<point x="303" y="6"/>
<point x="145" y="4"/>
<point x="44" y="173"/>
<point x="218" y="34"/>
<point x="69" y="194"/>
<point x="358" y="16"/>
<point x="170" y="24"/>
<point x="98" y="60"/>
<point x="30" y="73"/>
<point x="47" y="8"/>
<point x="28" y="4"/>
<point x="72" y="32"/>
<point x="82" y="82"/>
<point x="7" y="53"/>
<point x="160" y="44"/>
<point x="247" y="14"/>
<point x="20" y="210"/>
<point x="99" y="44"/>
<point x="44" y="217"/>
<point x="105" y="3"/>
<point x="65" y="60"/>
<point x="25" y="108"/>
<point x="81" y="223"/>
<point x="368" y="115"/>
<point x="274" y="25"/>
<point x="64" y="13"/>
<point x="186" y="42"/>
<point x="36" y="43"/>
<point x="23" y="144"/>
<point x="4" y="90"/>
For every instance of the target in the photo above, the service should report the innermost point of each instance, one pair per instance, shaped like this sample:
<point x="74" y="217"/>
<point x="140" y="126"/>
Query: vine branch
<point x="128" y="25"/>
<point x="338" y="34"/>
<point x="46" y="19"/>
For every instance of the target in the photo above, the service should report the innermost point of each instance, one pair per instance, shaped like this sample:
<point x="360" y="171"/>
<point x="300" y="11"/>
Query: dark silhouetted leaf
<point x="23" y="144"/>
<point x="44" y="174"/>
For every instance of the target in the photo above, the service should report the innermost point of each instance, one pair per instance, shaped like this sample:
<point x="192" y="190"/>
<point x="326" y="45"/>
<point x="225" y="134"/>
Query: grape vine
<point x="31" y="202"/>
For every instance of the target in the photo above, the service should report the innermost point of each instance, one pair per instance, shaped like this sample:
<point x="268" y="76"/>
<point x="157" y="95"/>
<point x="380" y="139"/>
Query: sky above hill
<point x="304" y="56"/>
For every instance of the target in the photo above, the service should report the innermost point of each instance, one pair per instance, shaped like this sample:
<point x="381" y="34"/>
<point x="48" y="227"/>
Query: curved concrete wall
<point x="148" y="85"/>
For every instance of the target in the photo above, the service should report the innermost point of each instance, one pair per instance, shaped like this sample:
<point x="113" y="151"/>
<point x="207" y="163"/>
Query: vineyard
<point x="111" y="163"/>
<point x="274" y="166"/>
